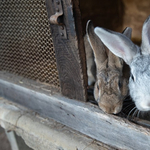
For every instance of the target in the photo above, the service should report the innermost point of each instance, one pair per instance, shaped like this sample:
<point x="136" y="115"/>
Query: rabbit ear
<point x="115" y="61"/>
<point x="97" y="46"/>
<point x="127" y="32"/>
<point x="146" y="36"/>
<point x="118" y="44"/>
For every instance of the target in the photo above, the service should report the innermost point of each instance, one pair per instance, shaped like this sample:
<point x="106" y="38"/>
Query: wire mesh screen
<point x="26" y="46"/>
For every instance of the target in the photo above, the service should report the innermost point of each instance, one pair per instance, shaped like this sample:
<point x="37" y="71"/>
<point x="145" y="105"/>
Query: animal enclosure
<point x="43" y="62"/>
<point x="117" y="15"/>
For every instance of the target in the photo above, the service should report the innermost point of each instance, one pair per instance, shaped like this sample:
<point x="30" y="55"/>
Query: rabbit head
<point x="138" y="58"/>
<point x="110" y="86"/>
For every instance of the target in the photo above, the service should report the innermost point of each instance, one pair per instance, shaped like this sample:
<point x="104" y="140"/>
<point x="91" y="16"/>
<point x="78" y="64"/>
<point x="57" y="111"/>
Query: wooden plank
<point x="79" y="32"/>
<point x="28" y="124"/>
<point x="83" y="117"/>
<point x="70" y="64"/>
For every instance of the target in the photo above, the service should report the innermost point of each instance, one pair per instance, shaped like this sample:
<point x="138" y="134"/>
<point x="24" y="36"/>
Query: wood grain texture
<point x="81" y="116"/>
<point x="49" y="137"/>
<point x="70" y="67"/>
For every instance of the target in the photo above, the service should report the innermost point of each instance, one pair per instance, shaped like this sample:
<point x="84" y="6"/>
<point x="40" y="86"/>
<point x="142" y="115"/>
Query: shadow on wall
<point x="108" y="14"/>
<point x="116" y="15"/>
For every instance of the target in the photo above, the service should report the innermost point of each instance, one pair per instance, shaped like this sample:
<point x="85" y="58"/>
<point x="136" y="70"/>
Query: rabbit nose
<point x="117" y="110"/>
<point x="113" y="111"/>
<point x="110" y="110"/>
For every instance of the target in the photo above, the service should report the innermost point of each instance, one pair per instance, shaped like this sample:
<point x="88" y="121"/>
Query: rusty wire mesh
<point x="26" y="46"/>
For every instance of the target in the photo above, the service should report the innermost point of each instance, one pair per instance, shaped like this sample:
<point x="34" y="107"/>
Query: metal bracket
<point x="57" y="18"/>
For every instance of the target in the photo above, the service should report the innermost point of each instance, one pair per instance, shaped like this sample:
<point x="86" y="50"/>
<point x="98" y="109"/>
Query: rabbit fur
<point x="91" y="68"/>
<point x="138" y="58"/>
<point x="111" y="86"/>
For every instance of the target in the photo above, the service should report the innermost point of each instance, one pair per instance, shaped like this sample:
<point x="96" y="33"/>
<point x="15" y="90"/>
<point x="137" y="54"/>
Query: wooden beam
<point x="70" y="55"/>
<point x="83" y="117"/>
<point x="26" y="124"/>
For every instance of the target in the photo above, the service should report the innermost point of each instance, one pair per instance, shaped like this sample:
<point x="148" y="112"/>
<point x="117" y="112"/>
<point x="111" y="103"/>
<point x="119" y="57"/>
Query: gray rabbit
<point x="138" y="58"/>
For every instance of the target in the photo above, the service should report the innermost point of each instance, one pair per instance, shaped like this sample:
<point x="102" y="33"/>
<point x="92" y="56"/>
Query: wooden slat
<point x="81" y="116"/>
<point x="70" y="64"/>
<point x="27" y="124"/>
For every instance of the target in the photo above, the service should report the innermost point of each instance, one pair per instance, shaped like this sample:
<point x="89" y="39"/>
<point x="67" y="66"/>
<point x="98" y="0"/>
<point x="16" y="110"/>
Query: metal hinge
<point x="57" y="18"/>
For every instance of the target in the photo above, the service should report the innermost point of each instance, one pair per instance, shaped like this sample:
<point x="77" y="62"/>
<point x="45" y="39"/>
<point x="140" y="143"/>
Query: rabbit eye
<point x="132" y="77"/>
<point x="97" y="86"/>
<point x="119" y="84"/>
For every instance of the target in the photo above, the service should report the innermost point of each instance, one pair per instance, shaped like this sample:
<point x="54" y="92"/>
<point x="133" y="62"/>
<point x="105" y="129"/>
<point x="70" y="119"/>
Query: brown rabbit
<point x="111" y="85"/>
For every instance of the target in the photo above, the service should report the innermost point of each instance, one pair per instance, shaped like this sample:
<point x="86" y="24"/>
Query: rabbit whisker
<point x="138" y="115"/>
<point x="128" y="106"/>
<point x="135" y="113"/>
<point x="131" y="112"/>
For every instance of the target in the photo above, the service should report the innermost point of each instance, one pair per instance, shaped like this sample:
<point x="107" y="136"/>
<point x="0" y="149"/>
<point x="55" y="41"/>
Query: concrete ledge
<point x="43" y="134"/>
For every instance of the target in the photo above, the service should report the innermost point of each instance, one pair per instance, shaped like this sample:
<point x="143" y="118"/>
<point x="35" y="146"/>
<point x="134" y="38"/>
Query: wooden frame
<point x="70" y="55"/>
<point x="83" y="117"/>
<point x="17" y="119"/>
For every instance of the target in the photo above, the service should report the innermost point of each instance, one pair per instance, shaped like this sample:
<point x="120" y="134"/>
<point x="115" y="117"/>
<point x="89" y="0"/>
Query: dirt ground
<point x="4" y="143"/>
